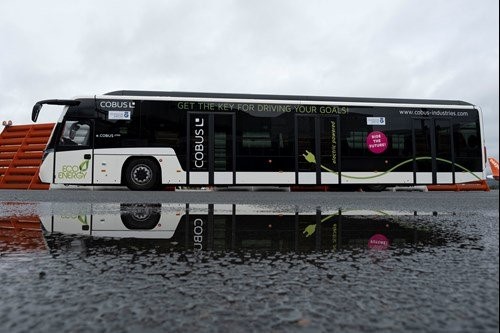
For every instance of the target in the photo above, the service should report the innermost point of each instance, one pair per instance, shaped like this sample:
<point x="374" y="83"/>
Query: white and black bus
<point x="146" y="139"/>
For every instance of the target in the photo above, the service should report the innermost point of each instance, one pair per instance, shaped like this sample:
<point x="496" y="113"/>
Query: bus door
<point x="317" y="158"/>
<point x="433" y="161"/>
<point x="211" y="148"/>
<point x="73" y="154"/>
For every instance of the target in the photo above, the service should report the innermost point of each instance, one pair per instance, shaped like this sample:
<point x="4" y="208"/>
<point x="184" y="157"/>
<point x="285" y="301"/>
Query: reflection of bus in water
<point x="242" y="227"/>
<point x="148" y="139"/>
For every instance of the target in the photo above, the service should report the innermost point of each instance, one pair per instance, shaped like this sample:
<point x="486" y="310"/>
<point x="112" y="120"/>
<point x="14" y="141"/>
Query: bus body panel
<point x="464" y="177"/>
<point x="73" y="167"/>
<point x="423" y="177"/>
<point x="46" y="172"/>
<point x="306" y="178"/>
<point x="223" y="178"/>
<point x="444" y="177"/>
<point x="172" y="173"/>
<point x="109" y="164"/>
<point x="376" y="177"/>
<point x="198" y="178"/>
<point x="108" y="167"/>
<point x="330" y="178"/>
<point x="265" y="178"/>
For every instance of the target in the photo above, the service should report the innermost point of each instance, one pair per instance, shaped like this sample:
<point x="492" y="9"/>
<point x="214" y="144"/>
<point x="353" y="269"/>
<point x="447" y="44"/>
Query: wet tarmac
<point x="113" y="261"/>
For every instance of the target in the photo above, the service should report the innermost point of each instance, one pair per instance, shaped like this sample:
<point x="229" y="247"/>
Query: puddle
<point x="284" y="268"/>
<point x="209" y="227"/>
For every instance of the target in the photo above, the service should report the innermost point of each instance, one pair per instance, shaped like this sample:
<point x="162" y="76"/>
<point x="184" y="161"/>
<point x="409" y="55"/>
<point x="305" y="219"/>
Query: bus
<point x="148" y="140"/>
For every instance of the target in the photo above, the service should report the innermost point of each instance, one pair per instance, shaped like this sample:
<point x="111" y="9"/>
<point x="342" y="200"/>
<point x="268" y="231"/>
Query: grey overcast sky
<point x="436" y="49"/>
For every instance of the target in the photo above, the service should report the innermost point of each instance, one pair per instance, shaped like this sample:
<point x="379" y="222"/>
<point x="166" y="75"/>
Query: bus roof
<point x="284" y="97"/>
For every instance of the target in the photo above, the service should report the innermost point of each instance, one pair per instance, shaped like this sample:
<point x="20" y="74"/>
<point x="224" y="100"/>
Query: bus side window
<point x="467" y="145"/>
<point x="459" y="141"/>
<point x="85" y="134"/>
<point x="473" y="142"/>
<point x="75" y="134"/>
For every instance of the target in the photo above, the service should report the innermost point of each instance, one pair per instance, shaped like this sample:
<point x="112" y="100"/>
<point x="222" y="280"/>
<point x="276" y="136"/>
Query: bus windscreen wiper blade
<point x="38" y="105"/>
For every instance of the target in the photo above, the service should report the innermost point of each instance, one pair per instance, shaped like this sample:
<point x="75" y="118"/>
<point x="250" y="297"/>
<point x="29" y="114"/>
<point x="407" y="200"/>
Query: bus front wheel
<point x="142" y="174"/>
<point x="140" y="216"/>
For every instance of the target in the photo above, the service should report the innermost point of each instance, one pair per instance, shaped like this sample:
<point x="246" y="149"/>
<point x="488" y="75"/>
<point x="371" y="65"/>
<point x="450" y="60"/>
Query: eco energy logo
<point x="74" y="171"/>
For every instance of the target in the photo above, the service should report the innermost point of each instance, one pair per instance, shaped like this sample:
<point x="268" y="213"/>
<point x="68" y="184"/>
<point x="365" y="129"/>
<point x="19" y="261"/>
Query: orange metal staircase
<point x="21" y="150"/>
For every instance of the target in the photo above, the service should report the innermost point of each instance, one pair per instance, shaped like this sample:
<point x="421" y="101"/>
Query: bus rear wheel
<point x="142" y="174"/>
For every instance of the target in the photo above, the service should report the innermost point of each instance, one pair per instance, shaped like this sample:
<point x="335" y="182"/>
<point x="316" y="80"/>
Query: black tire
<point x="140" y="216"/>
<point x="142" y="175"/>
<point x="374" y="188"/>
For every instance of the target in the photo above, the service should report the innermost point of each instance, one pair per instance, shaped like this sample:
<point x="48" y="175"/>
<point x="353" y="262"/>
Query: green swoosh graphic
<point x="312" y="159"/>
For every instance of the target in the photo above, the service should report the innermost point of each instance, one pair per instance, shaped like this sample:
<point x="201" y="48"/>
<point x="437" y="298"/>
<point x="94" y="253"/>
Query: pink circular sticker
<point x="376" y="142"/>
<point x="378" y="242"/>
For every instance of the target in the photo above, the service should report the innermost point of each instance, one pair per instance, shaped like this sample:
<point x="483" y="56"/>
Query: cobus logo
<point x="117" y="104"/>
<point x="199" y="143"/>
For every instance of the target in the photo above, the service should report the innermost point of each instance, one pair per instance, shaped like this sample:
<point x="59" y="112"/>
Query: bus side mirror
<point x="36" y="110"/>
